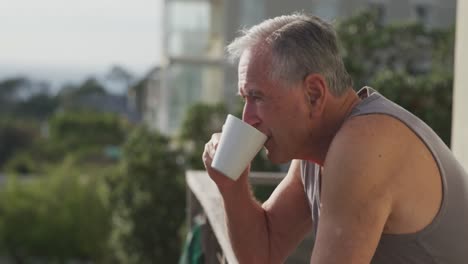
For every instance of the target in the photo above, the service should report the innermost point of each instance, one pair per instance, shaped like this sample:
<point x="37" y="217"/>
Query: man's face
<point x="279" y="112"/>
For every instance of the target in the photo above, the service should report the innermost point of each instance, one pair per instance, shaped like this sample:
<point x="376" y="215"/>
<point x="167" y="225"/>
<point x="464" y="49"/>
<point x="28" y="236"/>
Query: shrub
<point x="148" y="199"/>
<point x="60" y="217"/>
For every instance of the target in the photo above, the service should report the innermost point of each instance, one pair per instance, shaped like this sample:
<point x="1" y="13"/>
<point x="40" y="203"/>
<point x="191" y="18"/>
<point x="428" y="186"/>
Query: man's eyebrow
<point x="250" y="92"/>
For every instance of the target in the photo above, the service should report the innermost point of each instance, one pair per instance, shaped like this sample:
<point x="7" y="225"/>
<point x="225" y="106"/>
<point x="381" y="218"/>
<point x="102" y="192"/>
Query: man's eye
<point x="250" y="98"/>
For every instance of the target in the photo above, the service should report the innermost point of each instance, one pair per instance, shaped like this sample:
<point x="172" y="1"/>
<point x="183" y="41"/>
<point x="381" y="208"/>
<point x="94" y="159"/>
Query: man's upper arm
<point x="287" y="214"/>
<point x="356" y="192"/>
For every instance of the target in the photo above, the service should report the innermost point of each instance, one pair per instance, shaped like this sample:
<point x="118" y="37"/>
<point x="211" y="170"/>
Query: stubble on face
<point x="282" y="113"/>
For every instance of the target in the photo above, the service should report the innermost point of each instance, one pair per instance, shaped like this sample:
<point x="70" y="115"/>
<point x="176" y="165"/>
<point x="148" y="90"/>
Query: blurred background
<point x="104" y="105"/>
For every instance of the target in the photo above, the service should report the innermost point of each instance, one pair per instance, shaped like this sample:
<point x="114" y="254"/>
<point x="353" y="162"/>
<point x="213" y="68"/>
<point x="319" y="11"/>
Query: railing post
<point x="211" y="248"/>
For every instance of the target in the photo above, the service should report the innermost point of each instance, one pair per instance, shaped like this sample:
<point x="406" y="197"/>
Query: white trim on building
<point x="460" y="90"/>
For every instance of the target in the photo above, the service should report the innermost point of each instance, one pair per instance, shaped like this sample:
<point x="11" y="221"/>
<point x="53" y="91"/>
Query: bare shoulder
<point x="370" y="142"/>
<point x="376" y="128"/>
<point x="357" y="193"/>
<point x="384" y="161"/>
<point x="365" y="154"/>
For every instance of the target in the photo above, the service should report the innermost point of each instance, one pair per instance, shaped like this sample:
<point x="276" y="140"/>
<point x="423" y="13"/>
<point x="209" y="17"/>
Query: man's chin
<point x="275" y="159"/>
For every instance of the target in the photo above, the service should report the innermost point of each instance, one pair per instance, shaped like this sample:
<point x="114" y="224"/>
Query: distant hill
<point x="58" y="75"/>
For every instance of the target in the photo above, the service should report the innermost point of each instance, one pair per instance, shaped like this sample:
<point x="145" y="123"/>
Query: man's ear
<point x="316" y="91"/>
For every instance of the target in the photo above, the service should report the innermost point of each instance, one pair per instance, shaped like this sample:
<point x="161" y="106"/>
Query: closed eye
<point x="252" y="98"/>
<point x="256" y="98"/>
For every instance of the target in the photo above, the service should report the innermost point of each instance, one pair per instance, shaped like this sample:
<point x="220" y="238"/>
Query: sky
<point x="56" y="38"/>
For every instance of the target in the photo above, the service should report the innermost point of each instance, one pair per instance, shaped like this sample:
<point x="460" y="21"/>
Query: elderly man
<point x="374" y="183"/>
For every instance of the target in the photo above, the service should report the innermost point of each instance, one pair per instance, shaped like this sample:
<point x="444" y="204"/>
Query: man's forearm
<point x="247" y="225"/>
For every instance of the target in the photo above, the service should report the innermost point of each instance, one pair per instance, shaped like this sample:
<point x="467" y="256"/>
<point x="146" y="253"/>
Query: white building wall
<point x="460" y="96"/>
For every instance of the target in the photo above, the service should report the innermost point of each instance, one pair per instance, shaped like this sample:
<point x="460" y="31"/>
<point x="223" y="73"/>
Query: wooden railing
<point x="204" y="202"/>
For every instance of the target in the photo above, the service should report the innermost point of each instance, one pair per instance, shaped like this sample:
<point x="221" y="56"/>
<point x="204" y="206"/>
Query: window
<point x="188" y="27"/>
<point x="189" y="84"/>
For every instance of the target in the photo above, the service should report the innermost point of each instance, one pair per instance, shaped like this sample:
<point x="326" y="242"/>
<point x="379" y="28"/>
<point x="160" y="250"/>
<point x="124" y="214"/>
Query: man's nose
<point x="250" y="115"/>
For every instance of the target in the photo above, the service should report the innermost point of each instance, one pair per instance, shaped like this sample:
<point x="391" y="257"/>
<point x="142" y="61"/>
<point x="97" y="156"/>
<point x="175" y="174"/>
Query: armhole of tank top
<point x="304" y="166"/>
<point x="443" y="204"/>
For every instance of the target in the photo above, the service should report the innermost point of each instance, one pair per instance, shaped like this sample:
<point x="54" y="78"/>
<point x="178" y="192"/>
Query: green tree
<point x="78" y="130"/>
<point x="38" y="106"/>
<point x="119" y="74"/>
<point x="14" y="137"/>
<point x="201" y="121"/>
<point x="90" y="86"/>
<point x="87" y="87"/>
<point x="427" y="96"/>
<point x="25" y="98"/>
<point x="406" y="62"/>
<point x="55" y="219"/>
<point x="11" y="90"/>
<point x="148" y="200"/>
<point x="70" y="95"/>
<point x="369" y="47"/>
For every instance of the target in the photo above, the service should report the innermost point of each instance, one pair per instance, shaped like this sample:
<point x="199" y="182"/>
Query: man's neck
<point x="335" y="114"/>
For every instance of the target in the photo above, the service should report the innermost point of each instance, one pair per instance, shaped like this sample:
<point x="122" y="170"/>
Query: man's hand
<point x="262" y="234"/>
<point x="224" y="182"/>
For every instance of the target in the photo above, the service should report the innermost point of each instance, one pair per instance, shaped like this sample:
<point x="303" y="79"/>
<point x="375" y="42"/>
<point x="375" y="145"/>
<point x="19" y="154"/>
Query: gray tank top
<point x="445" y="240"/>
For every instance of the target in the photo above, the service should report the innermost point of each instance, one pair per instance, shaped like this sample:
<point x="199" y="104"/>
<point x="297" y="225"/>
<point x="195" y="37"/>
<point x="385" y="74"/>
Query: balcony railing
<point x="204" y="202"/>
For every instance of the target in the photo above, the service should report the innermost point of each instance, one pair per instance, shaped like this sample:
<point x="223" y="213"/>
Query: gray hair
<point x="300" y="45"/>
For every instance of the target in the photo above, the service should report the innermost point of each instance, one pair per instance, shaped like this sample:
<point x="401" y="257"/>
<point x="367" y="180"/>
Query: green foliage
<point x="15" y="136"/>
<point x="201" y="121"/>
<point x="67" y="213"/>
<point x="25" y="98"/>
<point x="443" y="51"/>
<point x="71" y="95"/>
<point x="369" y="47"/>
<point x="12" y="88"/>
<point x="90" y="86"/>
<point x="408" y="63"/>
<point x="21" y="164"/>
<point x="148" y="200"/>
<point x="427" y="96"/>
<point x="86" y="137"/>
<point x="39" y="106"/>
<point x="74" y="130"/>
<point x="57" y="218"/>
<point x="36" y="159"/>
